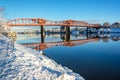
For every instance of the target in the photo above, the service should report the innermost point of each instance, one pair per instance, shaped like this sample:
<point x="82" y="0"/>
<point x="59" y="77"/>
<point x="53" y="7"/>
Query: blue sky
<point x="103" y="10"/>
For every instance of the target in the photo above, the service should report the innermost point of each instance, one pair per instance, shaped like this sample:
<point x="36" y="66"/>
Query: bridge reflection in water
<point x="67" y="41"/>
<point x="44" y="45"/>
<point x="102" y="58"/>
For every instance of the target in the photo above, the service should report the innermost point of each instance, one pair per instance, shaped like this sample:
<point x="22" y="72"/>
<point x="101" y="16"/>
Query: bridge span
<point x="43" y="22"/>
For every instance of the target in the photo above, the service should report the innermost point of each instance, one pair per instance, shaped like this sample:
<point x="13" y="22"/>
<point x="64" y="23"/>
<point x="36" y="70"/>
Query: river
<point x="93" y="56"/>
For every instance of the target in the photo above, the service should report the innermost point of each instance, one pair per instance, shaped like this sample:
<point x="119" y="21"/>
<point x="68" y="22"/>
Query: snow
<point x="21" y="63"/>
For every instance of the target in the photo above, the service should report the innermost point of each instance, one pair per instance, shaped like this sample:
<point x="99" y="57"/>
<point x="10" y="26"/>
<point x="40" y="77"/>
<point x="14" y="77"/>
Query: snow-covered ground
<point x="20" y="63"/>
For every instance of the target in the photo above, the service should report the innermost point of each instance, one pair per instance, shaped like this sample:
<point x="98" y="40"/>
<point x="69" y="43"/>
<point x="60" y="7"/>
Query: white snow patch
<point x="21" y="63"/>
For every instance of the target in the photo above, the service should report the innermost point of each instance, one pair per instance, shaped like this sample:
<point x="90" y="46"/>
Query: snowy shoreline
<point x="21" y="63"/>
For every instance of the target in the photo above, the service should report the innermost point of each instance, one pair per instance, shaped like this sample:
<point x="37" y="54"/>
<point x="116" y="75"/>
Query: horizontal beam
<point x="43" y="22"/>
<point x="10" y="25"/>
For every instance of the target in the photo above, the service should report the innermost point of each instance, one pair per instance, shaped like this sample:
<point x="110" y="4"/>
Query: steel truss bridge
<point x="43" y="22"/>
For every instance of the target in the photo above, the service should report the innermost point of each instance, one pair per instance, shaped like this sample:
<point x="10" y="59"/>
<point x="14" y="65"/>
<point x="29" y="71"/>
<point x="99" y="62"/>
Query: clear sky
<point x="108" y="10"/>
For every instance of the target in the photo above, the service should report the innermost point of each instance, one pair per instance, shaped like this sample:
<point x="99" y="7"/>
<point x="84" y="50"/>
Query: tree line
<point x="114" y="25"/>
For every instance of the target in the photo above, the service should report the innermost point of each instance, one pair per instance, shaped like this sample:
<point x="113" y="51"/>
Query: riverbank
<point x="21" y="63"/>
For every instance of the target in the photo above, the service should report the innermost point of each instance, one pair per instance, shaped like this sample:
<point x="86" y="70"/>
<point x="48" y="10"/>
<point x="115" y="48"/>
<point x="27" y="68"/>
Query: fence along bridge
<point x="43" y="22"/>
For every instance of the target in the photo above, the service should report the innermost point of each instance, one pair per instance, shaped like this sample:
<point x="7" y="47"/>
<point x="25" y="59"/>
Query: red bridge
<point x="43" y="22"/>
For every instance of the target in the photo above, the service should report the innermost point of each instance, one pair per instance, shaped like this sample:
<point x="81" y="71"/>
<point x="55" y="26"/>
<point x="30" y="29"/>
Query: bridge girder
<point x="43" y="22"/>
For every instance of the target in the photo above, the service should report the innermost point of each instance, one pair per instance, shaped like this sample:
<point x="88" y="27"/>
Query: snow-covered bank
<point x="20" y="63"/>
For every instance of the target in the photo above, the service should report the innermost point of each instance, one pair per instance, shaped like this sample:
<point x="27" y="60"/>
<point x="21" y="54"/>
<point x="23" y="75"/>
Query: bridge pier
<point x="62" y="29"/>
<point x="65" y="30"/>
<point x="87" y="32"/>
<point x="67" y="33"/>
<point x="42" y="34"/>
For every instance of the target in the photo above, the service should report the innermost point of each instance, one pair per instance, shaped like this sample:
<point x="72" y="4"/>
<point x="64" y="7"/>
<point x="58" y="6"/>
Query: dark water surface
<point x="95" y="57"/>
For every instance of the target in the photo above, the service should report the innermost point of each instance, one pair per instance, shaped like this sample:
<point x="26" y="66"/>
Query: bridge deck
<point x="43" y="22"/>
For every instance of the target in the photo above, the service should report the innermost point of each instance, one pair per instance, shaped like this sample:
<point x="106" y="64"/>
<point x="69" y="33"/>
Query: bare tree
<point x="106" y="24"/>
<point x="2" y="20"/>
<point x="2" y="12"/>
<point x="116" y="24"/>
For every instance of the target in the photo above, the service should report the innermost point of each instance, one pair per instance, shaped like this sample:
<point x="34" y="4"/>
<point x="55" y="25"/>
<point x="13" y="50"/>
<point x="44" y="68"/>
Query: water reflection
<point x="95" y="56"/>
<point x="44" y="41"/>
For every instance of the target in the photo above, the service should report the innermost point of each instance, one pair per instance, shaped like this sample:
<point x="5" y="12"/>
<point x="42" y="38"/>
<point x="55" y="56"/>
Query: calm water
<point x="93" y="56"/>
